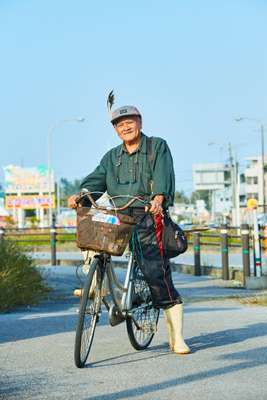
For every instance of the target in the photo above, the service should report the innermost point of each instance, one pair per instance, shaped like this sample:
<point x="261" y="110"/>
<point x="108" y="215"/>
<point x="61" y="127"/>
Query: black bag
<point x="173" y="238"/>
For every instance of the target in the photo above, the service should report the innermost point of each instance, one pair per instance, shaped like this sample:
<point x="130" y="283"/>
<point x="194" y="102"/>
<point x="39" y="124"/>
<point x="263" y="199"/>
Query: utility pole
<point x="263" y="174"/>
<point x="233" y="183"/>
<point x="237" y="198"/>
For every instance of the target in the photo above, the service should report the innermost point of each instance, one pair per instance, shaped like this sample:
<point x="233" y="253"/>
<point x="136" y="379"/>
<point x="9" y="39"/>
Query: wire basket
<point x="103" y="231"/>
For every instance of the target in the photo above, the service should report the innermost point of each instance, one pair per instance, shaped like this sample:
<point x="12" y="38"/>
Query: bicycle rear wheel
<point x="88" y="313"/>
<point x="142" y="324"/>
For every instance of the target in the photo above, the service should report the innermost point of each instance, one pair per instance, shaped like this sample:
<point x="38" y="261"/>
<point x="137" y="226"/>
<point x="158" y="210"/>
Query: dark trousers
<point x="155" y="267"/>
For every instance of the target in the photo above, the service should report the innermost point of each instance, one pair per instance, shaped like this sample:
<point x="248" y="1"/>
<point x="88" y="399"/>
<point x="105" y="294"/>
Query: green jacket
<point x="121" y="173"/>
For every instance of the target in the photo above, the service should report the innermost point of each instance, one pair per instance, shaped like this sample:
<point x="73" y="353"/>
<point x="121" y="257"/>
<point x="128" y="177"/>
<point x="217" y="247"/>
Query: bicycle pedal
<point x="115" y="317"/>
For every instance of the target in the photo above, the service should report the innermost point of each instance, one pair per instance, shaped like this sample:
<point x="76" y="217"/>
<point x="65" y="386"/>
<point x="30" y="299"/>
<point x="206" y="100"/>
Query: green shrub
<point x="20" y="282"/>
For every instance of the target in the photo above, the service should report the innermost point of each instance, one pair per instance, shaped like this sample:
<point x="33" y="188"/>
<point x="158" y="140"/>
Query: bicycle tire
<point x="145" y="314"/>
<point x="88" y="308"/>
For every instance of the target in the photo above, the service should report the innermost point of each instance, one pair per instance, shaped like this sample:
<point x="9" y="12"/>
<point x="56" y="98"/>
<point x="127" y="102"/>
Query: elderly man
<point x="143" y="166"/>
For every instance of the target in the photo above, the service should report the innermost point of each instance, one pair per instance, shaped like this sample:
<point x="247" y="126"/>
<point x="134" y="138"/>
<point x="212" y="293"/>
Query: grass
<point x="215" y="239"/>
<point x="255" y="300"/>
<point x="20" y="283"/>
<point x="44" y="239"/>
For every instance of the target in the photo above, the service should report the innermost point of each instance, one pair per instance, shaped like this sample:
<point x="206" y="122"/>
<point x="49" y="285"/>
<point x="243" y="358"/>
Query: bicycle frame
<point x="125" y="303"/>
<point x="124" y="306"/>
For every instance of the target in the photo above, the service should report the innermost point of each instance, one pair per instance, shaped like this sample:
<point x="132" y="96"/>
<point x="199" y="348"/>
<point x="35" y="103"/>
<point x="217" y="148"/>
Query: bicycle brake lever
<point x="81" y="195"/>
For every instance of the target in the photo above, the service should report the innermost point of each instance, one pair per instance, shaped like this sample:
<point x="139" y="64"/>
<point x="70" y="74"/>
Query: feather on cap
<point x="121" y="111"/>
<point x="110" y="101"/>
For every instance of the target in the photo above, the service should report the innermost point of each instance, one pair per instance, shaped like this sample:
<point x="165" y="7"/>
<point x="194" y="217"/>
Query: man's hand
<point x="72" y="201"/>
<point x="156" y="205"/>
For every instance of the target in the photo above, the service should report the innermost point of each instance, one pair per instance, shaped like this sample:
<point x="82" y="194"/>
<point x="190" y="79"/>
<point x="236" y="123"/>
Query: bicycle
<point x="130" y="301"/>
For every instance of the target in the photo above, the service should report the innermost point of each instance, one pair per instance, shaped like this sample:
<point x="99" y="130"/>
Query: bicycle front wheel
<point x="142" y="323"/>
<point x="90" y="307"/>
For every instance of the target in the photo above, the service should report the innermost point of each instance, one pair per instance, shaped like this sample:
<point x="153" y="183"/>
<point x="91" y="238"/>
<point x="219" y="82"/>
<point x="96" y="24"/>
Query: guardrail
<point x="223" y="238"/>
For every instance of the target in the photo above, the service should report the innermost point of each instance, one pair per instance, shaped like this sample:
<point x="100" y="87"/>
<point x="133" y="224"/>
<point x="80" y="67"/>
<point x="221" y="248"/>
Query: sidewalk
<point x="192" y="288"/>
<point x="196" y="288"/>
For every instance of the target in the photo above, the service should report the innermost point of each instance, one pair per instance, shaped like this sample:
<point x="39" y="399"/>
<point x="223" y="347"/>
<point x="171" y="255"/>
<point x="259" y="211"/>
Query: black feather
<point x="110" y="100"/>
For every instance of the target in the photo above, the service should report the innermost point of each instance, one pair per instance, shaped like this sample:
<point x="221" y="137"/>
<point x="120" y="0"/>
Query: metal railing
<point x="224" y="238"/>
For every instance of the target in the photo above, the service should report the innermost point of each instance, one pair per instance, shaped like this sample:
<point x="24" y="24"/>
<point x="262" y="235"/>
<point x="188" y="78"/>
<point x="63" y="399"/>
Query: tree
<point x="67" y="188"/>
<point x="180" y="197"/>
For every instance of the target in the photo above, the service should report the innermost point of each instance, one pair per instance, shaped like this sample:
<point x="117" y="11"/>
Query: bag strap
<point x="149" y="143"/>
<point x="149" y="151"/>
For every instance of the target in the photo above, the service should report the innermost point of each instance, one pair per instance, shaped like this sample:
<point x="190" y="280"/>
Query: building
<point x="254" y="179"/>
<point x="216" y="178"/>
<point x="229" y="195"/>
<point x="29" y="190"/>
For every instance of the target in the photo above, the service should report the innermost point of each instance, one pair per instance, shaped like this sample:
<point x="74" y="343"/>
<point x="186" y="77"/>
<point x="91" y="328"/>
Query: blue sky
<point x="190" y="66"/>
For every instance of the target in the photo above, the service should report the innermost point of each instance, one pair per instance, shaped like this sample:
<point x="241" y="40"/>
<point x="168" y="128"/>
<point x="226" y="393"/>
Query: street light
<point x="239" y="119"/>
<point x="50" y="131"/>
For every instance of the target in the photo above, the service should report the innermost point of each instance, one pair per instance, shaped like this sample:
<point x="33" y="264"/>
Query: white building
<point x="215" y="178"/>
<point x="254" y="179"/>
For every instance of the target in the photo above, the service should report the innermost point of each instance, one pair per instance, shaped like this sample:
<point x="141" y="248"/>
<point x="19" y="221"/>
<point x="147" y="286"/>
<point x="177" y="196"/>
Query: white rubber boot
<point x="168" y="326"/>
<point x="174" y="317"/>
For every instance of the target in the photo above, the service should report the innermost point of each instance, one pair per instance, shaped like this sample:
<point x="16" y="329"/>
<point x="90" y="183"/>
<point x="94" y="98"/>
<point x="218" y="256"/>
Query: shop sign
<point x="27" y="180"/>
<point x="29" y="202"/>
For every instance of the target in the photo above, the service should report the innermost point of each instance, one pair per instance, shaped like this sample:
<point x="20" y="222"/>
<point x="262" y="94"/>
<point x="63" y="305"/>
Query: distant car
<point x="262" y="219"/>
<point x="185" y="226"/>
<point x="212" y="225"/>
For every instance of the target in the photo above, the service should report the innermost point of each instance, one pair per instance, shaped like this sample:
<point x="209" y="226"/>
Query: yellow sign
<point x="29" y="202"/>
<point x="252" y="204"/>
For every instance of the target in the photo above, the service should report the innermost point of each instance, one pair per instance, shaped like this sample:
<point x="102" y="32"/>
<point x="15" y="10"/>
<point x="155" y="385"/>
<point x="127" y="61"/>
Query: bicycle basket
<point x="103" y="231"/>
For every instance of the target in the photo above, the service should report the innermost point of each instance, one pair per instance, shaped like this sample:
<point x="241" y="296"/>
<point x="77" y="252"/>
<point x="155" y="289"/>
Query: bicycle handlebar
<point x="128" y="204"/>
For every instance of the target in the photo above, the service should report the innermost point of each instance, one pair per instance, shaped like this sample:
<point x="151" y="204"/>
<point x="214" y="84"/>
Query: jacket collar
<point x="142" y="148"/>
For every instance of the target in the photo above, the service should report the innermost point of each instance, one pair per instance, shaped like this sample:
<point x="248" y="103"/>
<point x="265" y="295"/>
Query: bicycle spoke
<point x="90" y="309"/>
<point x="143" y="323"/>
<point x="90" y="319"/>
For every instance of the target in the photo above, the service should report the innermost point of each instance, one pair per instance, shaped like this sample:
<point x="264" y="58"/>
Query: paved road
<point x="228" y="340"/>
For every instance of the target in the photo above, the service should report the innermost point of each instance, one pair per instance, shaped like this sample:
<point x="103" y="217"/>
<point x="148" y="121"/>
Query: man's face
<point x="128" y="128"/>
